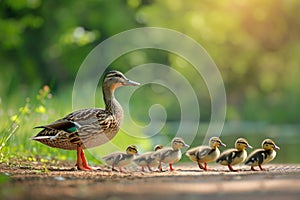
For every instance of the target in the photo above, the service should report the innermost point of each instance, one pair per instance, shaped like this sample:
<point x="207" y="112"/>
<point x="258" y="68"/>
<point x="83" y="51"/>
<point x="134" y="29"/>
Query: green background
<point x="255" y="45"/>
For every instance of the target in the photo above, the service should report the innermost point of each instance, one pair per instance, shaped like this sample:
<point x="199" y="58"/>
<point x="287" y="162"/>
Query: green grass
<point x="18" y="123"/>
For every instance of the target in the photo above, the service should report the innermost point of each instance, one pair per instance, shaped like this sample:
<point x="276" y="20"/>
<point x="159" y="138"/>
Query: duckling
<point x="146" y="159"/>
<point x="262" y="156"/>
<point x="120" y="159"/>
<point x="234" y="156"/>
<point x="170" y="155"/>
<point x="205" y="154"/>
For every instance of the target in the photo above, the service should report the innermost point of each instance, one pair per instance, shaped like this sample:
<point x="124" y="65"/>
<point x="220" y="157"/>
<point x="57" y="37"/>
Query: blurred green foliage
<point x="255" y="45"/>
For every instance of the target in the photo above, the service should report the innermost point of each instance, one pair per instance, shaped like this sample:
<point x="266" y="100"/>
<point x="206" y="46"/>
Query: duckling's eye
<point x="118" y="75"/>
<point x="243" y="143"/>
<point x="133" y="151"/>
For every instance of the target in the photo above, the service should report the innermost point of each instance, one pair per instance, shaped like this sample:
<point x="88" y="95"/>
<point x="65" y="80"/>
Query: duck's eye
<point x="243" y="143"/>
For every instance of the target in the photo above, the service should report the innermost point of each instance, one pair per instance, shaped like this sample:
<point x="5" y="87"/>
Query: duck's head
<point x="132" y="149"/>
<point x="114" y="79"/>
<point x="269" y="144"/>
<point x="158" y="147"/>
<point x="242" y="144"/>
<point x="215" y="142"/>
<point x="178" y="143"/>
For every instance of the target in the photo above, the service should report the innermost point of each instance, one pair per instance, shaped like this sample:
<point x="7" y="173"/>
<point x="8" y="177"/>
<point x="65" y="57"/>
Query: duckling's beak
<point x="222" y="144"/>
<point x="249" y="146"/>
<point x="186" y="145"/>
<point x="276" y="147"/>
<point x="130" y="82"/>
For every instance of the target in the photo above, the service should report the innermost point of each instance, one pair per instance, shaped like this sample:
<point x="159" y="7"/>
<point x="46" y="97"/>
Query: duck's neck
<point x="175" y="147"/>
<point x="240" y="149"/>
<point x="269" y="151"/>
<point x="111" y="104"/>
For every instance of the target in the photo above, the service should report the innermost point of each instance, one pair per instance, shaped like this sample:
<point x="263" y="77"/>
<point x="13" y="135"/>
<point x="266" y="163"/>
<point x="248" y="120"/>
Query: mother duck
<point x="90" y="127"/>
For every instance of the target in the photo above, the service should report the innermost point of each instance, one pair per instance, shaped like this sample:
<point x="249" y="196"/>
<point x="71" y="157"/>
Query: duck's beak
<point x="276" y="147"/>
<point x="130" y="82"/>
<point x="186" y="145"/>
<point x="249" y="146"/>
<point x="222" y="144"/>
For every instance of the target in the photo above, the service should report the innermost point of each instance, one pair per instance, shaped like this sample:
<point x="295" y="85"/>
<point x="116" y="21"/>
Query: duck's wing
<point x="227" y="156"/>
<point x="94" y="121"/>
<point x="166" y="153"/>
<point x="111" y="156"/>
<point x="75" y="120"/>
<point x="199" y="152"/>
<point x="256" y="157"/>
<point x="203" y="151"/>
<point x="61" y="134"/>
<point x="162" y="153"/>
<point x="86" y="116"/>
<point x="121" y="157"/>
<point x="192" y="152"/>
<point x="87" y="126"/>
<point x="60" y="124"/>
<point x="139" y="159"/>
<point x="142" y="157"/>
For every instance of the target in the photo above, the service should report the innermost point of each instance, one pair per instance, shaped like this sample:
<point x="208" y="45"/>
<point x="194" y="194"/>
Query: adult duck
<point x="90" y="127"/>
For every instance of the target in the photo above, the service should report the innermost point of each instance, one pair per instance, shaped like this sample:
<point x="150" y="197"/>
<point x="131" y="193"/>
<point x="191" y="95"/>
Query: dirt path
<point x="40" y="181"/>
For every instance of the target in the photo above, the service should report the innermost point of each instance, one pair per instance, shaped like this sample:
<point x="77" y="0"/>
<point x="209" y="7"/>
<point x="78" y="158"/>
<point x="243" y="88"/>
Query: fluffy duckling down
<point x="170" y="155"/>
<point x="205" y="154"/>
<point x="121" y="159"/>
<point x="234" y="156"/>
<point x="262" y="156"/>
<point x="147" y="160"/>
